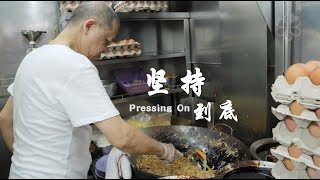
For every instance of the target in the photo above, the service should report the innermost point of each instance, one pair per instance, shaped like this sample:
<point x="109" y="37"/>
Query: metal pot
<point x="217" y="144"/>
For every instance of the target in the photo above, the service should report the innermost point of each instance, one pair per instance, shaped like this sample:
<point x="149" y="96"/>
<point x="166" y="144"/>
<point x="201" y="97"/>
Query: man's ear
<point x="88" y="25"/>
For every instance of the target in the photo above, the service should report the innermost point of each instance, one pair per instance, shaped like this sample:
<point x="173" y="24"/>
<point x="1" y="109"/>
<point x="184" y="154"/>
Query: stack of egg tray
<point x="308" y="95"/>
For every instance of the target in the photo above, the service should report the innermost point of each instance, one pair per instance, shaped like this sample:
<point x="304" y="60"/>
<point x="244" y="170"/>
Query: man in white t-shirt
<point x="57" y="94"/>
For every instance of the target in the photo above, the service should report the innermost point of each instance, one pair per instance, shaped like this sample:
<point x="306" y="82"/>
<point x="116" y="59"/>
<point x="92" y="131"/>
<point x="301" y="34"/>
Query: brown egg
<point x="315" y="76"/>
<point x="311" y="65"/>
<point x="316" y="160"/>
<point x="136" y="49"/>
<point x="318" y="113"/>
<point x="288" y="164"/>
<point x="124" y="42"/>
<point x="295" y="71"/>
<point x="312" y="173"/>
<point x="294" y="151"/>
<point x="296" y="108"/>
<point x="291" y="125"/>
<point x="131" y="41"/>
<point x="314" y="129"/>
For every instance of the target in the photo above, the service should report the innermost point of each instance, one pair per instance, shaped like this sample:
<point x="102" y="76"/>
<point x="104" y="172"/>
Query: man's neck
<point x="66" y="38"/>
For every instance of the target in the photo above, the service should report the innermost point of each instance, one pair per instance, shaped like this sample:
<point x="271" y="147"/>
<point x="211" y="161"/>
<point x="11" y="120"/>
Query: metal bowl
<point x="111" y="87"/>
<point x="260" y="149"/>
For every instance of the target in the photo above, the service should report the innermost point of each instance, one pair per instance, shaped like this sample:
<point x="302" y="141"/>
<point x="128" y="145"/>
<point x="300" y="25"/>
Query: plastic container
<point x="101" y="166"/>
<point x="132" y="80"/>
<point x="106" y="150"/>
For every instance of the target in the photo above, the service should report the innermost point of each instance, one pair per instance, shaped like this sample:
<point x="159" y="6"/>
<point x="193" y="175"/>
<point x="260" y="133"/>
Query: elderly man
<point x="57" y="94"/>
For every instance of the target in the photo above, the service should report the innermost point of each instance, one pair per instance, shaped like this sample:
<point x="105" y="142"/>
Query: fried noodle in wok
<point x="179" y="167"/>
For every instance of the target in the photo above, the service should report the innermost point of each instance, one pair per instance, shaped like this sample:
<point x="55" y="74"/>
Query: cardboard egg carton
<point x="279" y="171"/>
<point x="123" y="46"/>
<point x="69" y="6"/>
<point x="300" y="137"/>
<point x="131" y="6"/>
<point x="306" y="93"/>
<point x="303" y="121"/>
<point x="121" y="54"/>
<point x="121" y="50"/>
<point x="301" y="163"/>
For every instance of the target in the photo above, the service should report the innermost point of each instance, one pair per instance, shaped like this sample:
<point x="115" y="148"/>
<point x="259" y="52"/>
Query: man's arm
<point x="6" y="123"/>
<point x="129" y="139"/>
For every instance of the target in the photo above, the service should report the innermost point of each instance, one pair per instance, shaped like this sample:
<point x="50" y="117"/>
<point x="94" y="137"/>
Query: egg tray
<point x="119" y="54"/>
<point x="302" y="162"/>
<point x="306" y="93"/>
<point x="279" y="171"/>
<point x="300" y="137"/>
<point x="125" y="47"/>
<point x="303" y="121"/>
<point x="130" y="6"/>
<point x="68" y="7"/>
<point x="122" y="51"/>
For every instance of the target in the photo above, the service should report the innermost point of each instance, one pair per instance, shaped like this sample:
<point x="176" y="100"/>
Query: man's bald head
<point x="98" y="10"/>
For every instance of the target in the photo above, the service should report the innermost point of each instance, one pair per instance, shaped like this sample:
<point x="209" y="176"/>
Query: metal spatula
<point x="200" y="158"/>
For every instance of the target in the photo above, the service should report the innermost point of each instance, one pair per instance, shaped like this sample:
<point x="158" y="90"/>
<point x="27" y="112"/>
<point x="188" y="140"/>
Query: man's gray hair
<point x="98" y="10"/>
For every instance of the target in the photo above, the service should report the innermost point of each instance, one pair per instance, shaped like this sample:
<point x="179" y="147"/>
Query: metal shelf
<point x="126" y="98"/>
<point x="134" y="16"/>
<point x="142" y="57"/>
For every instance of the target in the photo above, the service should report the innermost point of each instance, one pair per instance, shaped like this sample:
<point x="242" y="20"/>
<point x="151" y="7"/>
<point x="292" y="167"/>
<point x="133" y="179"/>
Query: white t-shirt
<point x="57" y="94"/>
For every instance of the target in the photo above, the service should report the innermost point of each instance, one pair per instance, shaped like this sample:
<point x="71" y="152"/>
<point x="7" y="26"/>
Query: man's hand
<point x="118" y="165"/>
<point x="170" y="152"/>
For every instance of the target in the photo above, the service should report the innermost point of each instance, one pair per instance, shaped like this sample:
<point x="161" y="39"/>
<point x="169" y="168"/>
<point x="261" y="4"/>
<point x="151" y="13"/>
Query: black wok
<point x="221" y="147"/>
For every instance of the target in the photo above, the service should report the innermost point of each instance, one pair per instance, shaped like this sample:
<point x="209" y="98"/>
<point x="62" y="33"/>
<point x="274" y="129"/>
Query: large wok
<point x="221" y="147"/>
